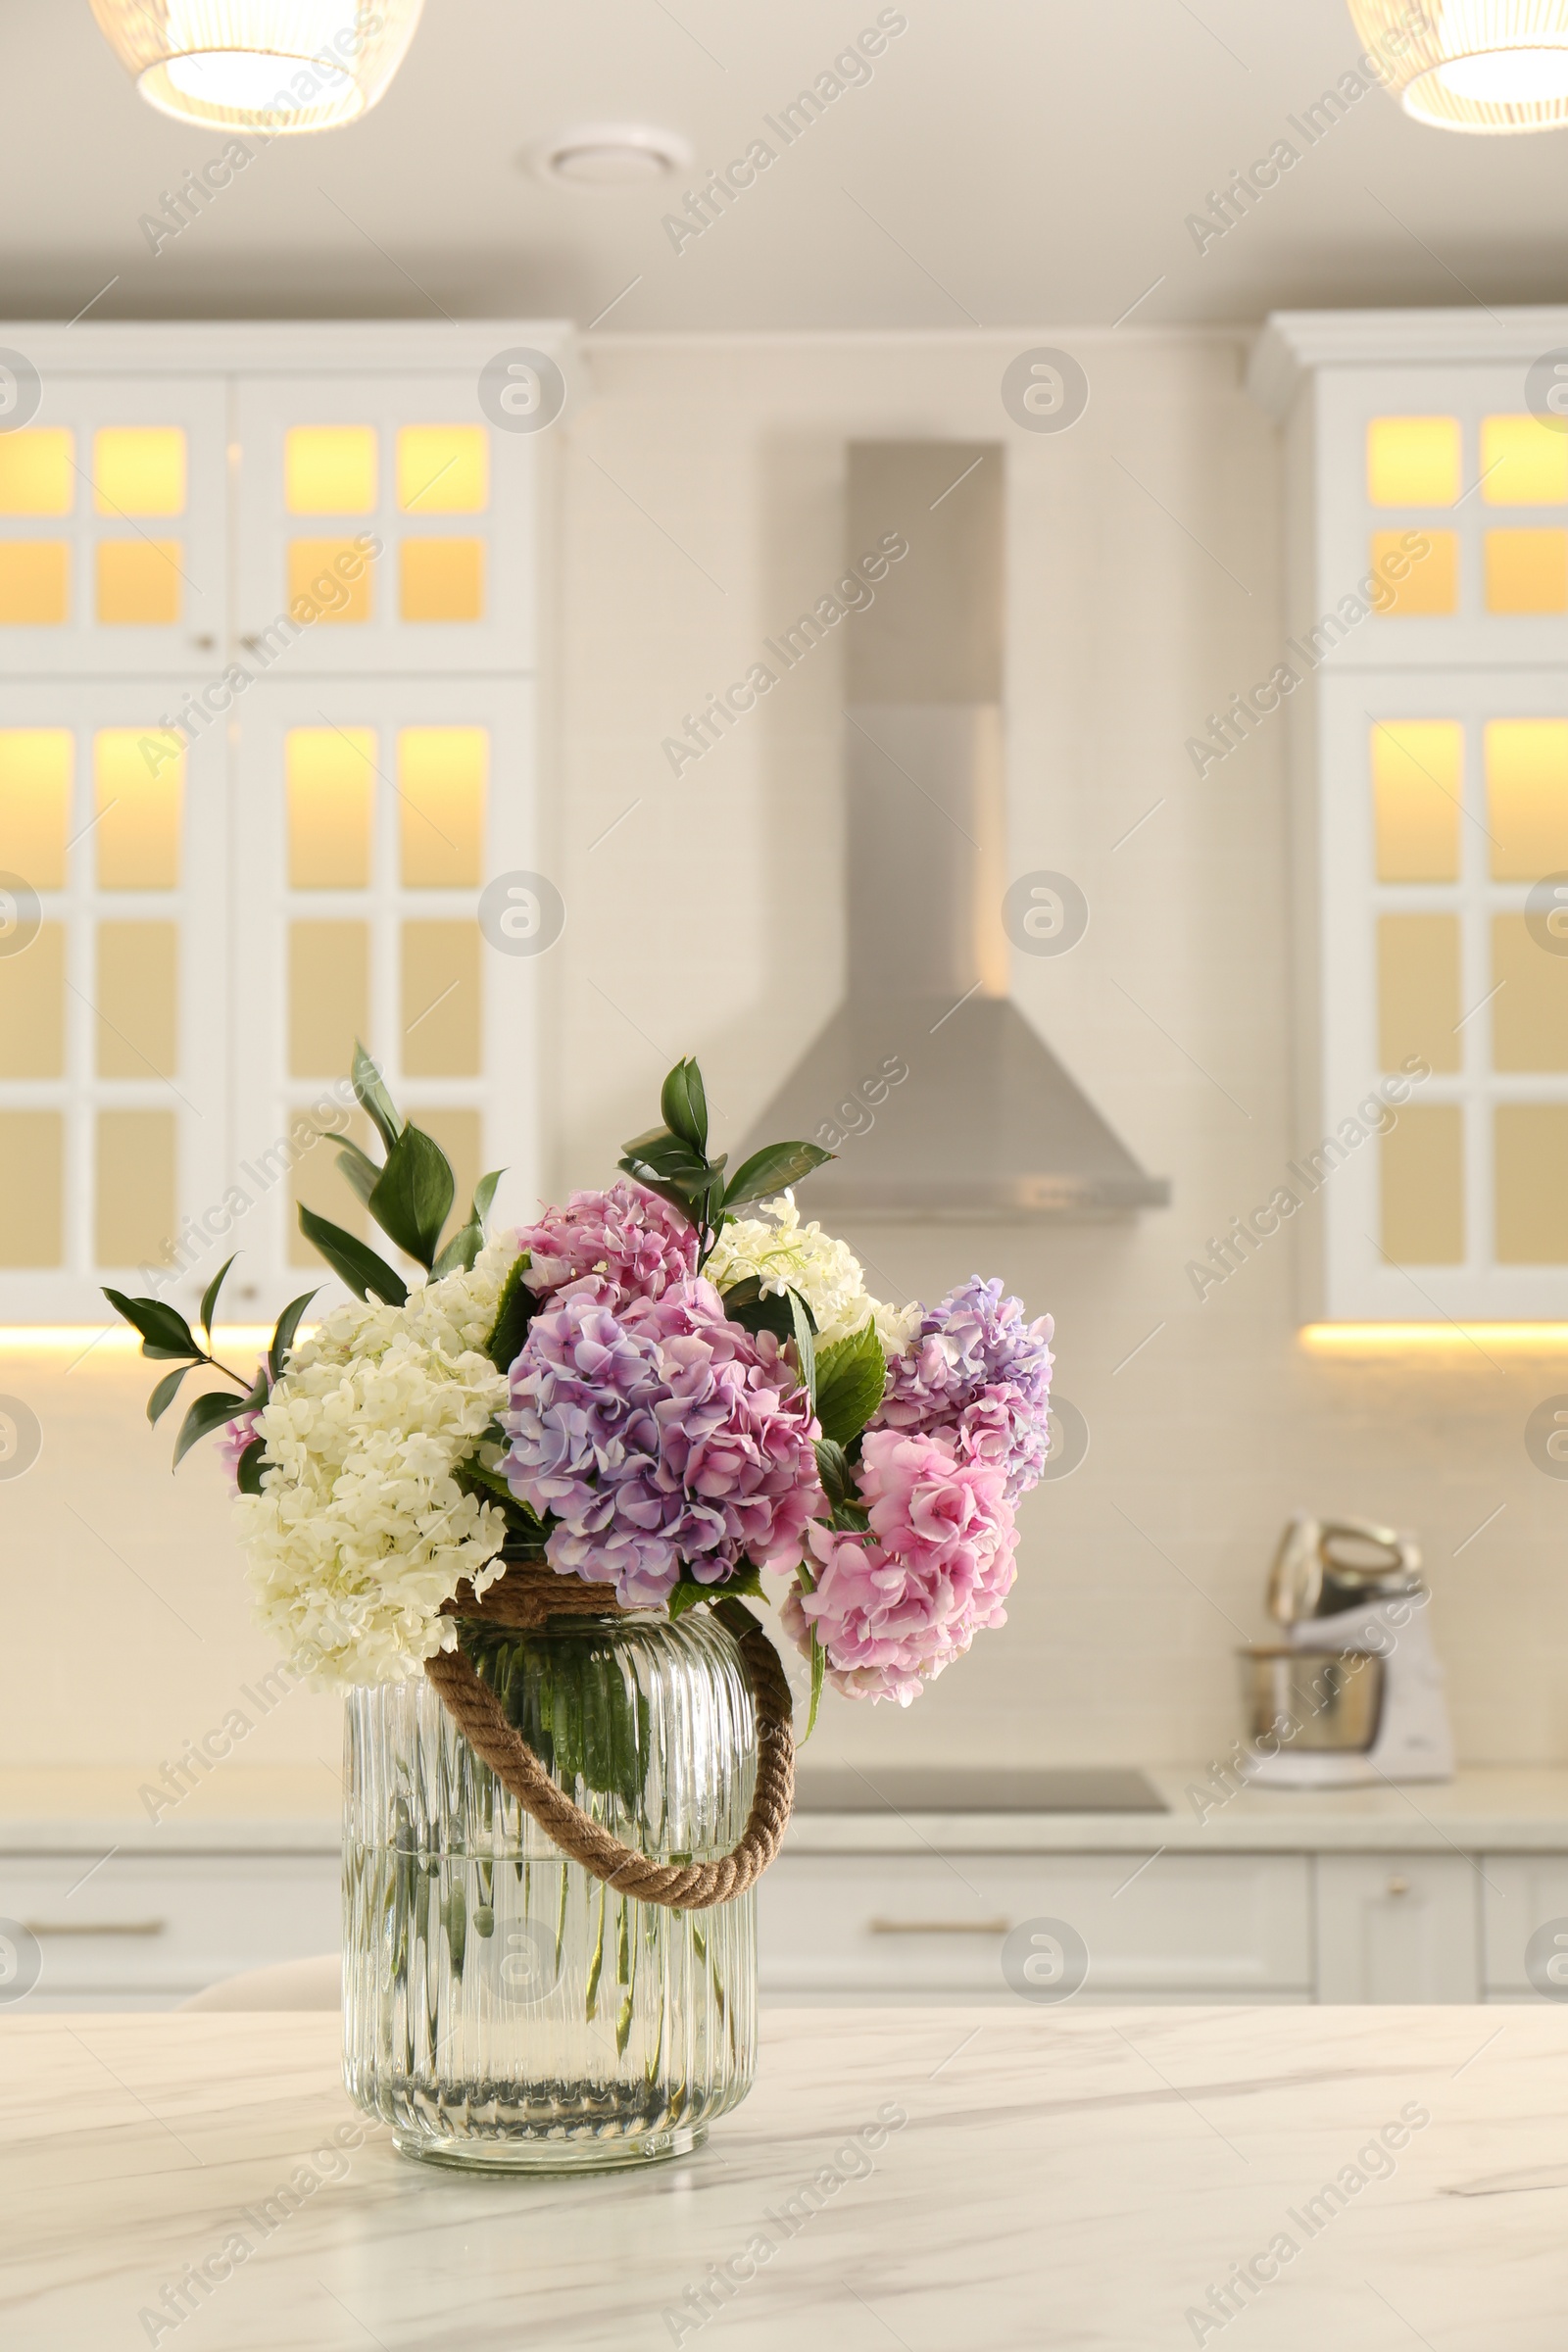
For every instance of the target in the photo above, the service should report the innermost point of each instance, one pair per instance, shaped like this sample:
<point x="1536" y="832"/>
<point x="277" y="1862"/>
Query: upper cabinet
<point x="1425" y="670"/>
<point x="384" y="524"/>
<point x="114" y="537"/>
<point x="268" y="735"/>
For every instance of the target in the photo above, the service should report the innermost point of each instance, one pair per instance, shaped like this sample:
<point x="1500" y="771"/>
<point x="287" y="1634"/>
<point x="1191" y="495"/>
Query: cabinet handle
<point x="1399" y="1886"/>
<point x="939" y="1926"/>
<point x="94" y="1926"/>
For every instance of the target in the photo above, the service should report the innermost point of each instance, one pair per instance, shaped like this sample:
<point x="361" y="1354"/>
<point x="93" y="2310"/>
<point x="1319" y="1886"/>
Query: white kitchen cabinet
<point x="288" y="576"/>
<point x="113" y="1043"/>
<point x="143" y="1931"/>
<point x="1521" y="1896"/>
<point x="1421" y="683"/>
<point x="405" y="459"/>
<point x="1187" y="1926"/>
<point x="113" y="539"/>
<point x="365" y="926"/>
<point x="1397" y="1928"/>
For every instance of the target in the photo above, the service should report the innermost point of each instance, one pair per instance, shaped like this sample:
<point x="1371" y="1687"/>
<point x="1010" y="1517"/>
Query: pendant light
<point x="1471" y="65"/>
<point x="261" y="65"/>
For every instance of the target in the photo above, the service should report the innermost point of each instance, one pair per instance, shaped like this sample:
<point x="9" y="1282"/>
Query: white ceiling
<point x="1011" y="161"/>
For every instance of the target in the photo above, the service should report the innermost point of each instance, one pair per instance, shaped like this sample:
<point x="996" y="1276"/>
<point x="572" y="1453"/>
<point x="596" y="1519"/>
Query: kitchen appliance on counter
<point x="1353" y="1693"/>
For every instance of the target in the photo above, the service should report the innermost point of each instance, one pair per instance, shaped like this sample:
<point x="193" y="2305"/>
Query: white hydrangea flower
<point x="361" y="1530"/>
<point x="785" y="1255"/>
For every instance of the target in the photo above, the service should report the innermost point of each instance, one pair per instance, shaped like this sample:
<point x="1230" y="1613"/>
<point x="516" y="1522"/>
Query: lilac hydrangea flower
<point x="630" y="1238"/>
<point x="978" y="1370"/>
<point x="655" y="1432"/>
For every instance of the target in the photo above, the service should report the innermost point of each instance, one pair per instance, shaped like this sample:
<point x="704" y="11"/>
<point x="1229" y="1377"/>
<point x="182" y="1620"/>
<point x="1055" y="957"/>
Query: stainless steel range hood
<point x="937" y="1095"/>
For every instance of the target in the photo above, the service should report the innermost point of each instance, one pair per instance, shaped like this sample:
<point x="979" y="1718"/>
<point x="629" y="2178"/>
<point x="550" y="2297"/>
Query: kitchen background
<point x="700" y="509"/>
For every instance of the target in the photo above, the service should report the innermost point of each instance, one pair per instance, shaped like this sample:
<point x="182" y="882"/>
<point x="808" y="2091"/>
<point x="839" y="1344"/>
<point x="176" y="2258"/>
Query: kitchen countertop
<point x="295" y="1809"/>
<point x="1075" y="2179"/>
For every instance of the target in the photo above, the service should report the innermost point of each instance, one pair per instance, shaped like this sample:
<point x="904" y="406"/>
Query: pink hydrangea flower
<point x="655" y="1432"/>
<point x="895" y="1607"/>
<point x="629" y="1238"/>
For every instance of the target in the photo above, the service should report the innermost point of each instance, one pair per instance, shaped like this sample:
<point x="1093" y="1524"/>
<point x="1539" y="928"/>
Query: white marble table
<point x="1064" y="2179"/>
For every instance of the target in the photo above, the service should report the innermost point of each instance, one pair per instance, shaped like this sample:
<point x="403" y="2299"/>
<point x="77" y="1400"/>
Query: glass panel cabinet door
<point x="373" y="818"/>
<point x="115" y="1111"/>
<point x="371" y="532"/>
<point x="1442" y="520"/>
<point x="1443" y="951"/>
<point x="114" y="530"/>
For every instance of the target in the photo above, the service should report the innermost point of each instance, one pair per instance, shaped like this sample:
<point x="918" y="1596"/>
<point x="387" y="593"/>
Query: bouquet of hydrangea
<point x="645" y="1389"/>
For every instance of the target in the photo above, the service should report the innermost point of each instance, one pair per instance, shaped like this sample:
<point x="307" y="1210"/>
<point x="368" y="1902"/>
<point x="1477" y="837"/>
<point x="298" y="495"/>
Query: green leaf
<point x="833" y="1469"/>
<point x="414" y="1194"/>
<point x="515" y="1309"/>
<point x="248" y="1470"/>
<point x="283" y="1330"/>
<point x="470" y="1239"/>
<point x="815" y="1654"/>
<point x="162" y="1396"/>
<point x="804" y="1342"/>
<point x="371" y="1093"/>
<point x="366" y="1274"/>
<point x="850" y="1377"/>
<point x="689" y="1591"/>
<point x="771" y="1170"/>
<point x="492" y="1481"/>
<point x="839" y="1486"/>
<point x="818" y="1663"/>
<point x="460" y="1251"/>
<point x="209" y="1412"/>
<point x="359" y="1167"/>
<point x="757" y="1309"/>
<point x="683" y="1105"/>
<point x="165" y="1336"/>
<point x="209" y="1297"/>
<point x="484" y="1192"/>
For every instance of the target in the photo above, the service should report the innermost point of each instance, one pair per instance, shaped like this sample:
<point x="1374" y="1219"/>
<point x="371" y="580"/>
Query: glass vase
<point x="502" y="2007"/>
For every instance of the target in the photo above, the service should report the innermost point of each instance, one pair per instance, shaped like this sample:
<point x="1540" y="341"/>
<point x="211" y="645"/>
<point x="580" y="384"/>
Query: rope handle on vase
<point x="679" y="1885"/>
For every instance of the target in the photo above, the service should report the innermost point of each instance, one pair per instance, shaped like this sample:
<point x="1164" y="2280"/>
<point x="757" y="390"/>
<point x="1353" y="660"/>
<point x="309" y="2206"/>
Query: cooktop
<point x="976" y="1788"/>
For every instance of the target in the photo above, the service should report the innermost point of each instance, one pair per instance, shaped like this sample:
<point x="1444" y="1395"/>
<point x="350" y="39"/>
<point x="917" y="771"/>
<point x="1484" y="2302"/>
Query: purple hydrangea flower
<point x="977" y="1369"/>
<point x="655" y="1433"/>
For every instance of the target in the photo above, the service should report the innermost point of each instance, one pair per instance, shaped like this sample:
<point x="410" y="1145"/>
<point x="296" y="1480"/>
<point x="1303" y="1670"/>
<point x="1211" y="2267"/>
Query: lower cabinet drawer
<point x="142" y="1926"/>
<point x="1229" y="1927"/>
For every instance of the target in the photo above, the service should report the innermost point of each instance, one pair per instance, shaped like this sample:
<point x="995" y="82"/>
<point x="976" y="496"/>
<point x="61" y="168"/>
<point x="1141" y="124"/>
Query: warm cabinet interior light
<point x="1392" y="1339"/>
<point x="261" y="65"/>
<point x="94" y="1340"/>
<point x="1471" y="65"/>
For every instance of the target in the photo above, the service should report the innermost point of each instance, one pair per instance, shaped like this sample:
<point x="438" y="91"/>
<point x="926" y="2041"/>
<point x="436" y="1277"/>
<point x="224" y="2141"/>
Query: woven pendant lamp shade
<point x="261" y="65"/>
<point x="1471" y="65"/>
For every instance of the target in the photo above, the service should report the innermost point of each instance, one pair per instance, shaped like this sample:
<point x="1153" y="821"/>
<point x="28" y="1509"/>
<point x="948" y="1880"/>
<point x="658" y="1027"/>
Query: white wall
<point x="701" y="510"/>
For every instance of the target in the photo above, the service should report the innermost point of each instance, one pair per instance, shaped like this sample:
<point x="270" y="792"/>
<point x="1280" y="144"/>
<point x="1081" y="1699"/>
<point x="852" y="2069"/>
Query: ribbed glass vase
<point x="502" y="2007"/>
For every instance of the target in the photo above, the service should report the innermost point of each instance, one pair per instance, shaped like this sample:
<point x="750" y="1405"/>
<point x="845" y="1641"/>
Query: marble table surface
<point x="1046" y="2177"/>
